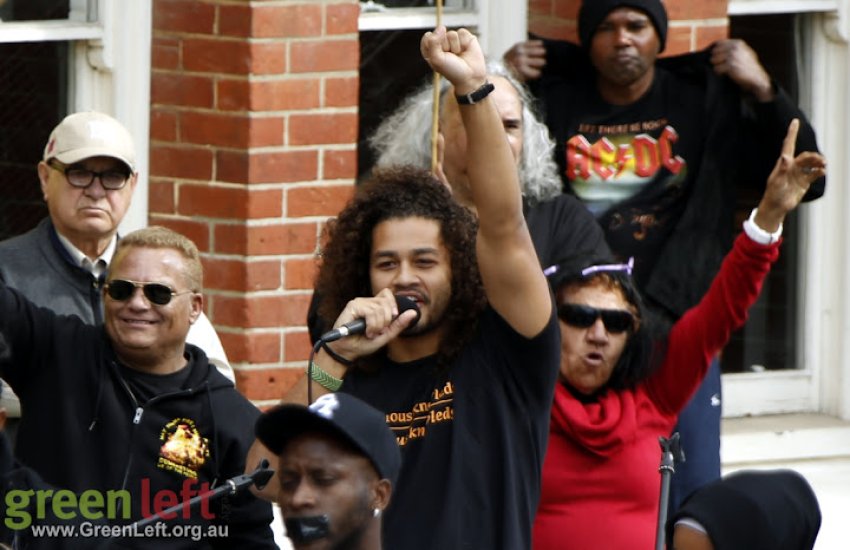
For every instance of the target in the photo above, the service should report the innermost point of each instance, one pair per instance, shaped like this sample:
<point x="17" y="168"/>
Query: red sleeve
<point x="705" y="328"/>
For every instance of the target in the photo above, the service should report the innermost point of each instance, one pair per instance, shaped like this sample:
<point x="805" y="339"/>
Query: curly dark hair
<point x="392" y="193"/>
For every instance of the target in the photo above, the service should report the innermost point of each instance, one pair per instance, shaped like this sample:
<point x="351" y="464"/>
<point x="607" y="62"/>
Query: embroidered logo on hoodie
<point x="183" y="450"/>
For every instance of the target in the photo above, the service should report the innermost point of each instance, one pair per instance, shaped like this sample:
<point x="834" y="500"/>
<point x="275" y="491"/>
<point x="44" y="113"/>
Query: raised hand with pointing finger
<point x="788" y="182"/>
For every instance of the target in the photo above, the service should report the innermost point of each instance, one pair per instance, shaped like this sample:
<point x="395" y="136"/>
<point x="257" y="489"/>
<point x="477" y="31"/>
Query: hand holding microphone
<point x="358" y="326"/>
<point x="378" y="320"/>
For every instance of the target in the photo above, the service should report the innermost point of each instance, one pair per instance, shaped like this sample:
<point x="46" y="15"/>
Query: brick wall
<point x="253" y="146"/>
<point x="253" y="133"/>
<point x="694" y="24"/>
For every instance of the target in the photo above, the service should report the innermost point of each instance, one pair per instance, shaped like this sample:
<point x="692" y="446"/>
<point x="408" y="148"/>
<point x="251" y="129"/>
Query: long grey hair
<point x="404" y="137"/>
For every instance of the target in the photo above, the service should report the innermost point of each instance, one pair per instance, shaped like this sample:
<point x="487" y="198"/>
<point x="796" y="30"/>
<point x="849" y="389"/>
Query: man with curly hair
<point x="559" y="224"/>
<point x="467" y="389"/>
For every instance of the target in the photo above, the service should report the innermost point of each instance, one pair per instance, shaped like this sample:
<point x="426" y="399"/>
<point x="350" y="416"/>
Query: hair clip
<point x="628" y="267"/>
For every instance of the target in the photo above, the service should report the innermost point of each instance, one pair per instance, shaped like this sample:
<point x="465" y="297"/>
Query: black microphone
<point x="358" y="326"/>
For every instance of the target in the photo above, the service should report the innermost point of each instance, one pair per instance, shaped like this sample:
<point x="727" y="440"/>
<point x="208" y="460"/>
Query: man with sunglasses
<point x="623" y="383"/>
<point x="88" y="175"/>
<point x="129" y="405"/>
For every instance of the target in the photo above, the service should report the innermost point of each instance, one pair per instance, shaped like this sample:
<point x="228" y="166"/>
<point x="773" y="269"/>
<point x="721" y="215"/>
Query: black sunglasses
<point x="581" y="316"/>
<point x="156" y="293"/>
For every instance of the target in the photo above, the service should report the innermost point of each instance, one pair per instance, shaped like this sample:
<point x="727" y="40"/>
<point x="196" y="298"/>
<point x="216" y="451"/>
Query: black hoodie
<point x="85" y="429"/>
<point x="755" y="510"/>
<point x="691" y="257"/>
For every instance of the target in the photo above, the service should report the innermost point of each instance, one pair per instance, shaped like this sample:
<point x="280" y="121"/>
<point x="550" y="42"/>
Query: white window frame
<point x="109" y="70"/>
<point x="822" y="384"/>
<point x="489" y="18"/>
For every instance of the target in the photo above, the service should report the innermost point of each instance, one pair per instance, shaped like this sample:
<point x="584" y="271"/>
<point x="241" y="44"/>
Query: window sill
<point x="416" y="18"/>
<point x="37" y="31"/>
<point x="783" y="437"/>
<point x="750" y="7"/>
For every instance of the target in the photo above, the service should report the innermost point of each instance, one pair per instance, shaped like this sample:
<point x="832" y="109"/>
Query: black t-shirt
<point x="563" y="227"/>
<point x="632" y="165"/>
<point x="145" y="386"/>
<point x="473" y="437"/>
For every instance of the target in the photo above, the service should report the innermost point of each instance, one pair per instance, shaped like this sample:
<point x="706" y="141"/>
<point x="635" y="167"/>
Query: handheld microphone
<point x="358" y="326"/>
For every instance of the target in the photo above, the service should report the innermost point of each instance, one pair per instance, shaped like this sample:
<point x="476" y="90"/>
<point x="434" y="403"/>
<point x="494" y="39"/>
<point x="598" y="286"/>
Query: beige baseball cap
<point x="90" y="134"/>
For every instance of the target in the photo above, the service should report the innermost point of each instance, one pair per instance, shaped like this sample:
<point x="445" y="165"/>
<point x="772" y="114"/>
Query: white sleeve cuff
<point x="759" y="235"/>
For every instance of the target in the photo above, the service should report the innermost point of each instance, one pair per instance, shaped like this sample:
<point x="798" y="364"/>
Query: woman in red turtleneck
<point x="619" y="391"/>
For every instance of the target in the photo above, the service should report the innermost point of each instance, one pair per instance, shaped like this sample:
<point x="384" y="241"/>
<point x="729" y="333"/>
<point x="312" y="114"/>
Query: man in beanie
<point x="87" y="175"/>
<point x="337" y="464"/>
<point x="658" y="149"/>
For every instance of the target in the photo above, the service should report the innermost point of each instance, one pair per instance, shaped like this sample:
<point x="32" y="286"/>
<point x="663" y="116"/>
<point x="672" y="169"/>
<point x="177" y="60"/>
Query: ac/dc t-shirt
<point x="632" y="165"/>
<point x="472" y="435"/>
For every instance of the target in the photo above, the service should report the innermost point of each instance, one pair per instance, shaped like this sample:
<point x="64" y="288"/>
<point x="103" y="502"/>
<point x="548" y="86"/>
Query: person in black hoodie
<point x="658" y="150"/>
<point x="129" y="406"/>
<point x="752" y="509"/>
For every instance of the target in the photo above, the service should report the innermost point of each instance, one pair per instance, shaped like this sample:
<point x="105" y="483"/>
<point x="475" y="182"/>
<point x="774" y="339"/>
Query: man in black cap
<point x="337" y="463"/>
<point x="658" y="149"/>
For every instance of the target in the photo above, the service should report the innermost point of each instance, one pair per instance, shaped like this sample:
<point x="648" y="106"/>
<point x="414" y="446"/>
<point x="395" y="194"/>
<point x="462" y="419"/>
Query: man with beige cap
<point x="87" y="174"/>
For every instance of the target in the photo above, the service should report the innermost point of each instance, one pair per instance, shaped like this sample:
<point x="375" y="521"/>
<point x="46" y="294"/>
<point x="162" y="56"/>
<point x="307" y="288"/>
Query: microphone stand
<point x="259" y="477"/>
<point x="671" y="452"/>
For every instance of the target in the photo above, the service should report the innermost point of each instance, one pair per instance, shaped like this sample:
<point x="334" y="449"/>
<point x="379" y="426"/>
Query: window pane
<point x="769" y="338"/>
<point x="390" y="68"/>
<point x="33" y="99"/>
<point x="34" y="10"/>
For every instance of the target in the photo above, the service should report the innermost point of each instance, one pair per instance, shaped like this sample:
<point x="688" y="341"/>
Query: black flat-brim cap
<point x="341" y="414"/>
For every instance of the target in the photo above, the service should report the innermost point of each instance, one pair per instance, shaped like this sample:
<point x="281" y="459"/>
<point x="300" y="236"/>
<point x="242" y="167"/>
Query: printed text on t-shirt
<point x="413" y="424"/>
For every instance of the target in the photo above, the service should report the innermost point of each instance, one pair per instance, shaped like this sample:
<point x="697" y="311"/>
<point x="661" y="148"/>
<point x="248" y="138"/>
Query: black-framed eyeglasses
<point x="111" y="180"/>
<point x="156" y="293"/>
<point x="582" y="316"/>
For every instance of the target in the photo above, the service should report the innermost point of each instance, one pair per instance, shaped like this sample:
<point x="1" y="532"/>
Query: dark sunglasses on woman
<point x="582" y="316"/>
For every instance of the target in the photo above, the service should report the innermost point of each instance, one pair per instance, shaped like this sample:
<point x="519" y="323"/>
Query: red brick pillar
<point x="253" y="146"/>
<point x="694" y="24"/>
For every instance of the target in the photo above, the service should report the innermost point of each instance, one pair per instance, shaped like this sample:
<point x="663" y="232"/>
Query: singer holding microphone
<point x="466" y="390"/>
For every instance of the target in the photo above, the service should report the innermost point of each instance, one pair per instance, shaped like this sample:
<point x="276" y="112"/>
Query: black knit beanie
<point x="592" y="13"/>
<point x="755" y="510"/>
